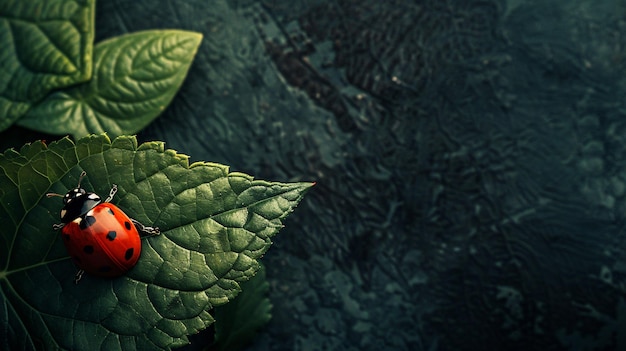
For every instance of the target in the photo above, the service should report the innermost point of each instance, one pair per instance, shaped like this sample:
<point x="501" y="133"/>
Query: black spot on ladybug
<point x="105" y="269"/>
<point x="111" y="211"/>
<point x="127" y="225"/>
<point x="111" y="235"/>
<point x="66" y="237"/>
<point x="129" y="254"/>
<point x="87" y="222"/>
<point x="88" y="249"/>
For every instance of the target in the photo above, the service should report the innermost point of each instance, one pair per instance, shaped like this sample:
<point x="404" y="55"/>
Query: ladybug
<point x="99" y="237"/>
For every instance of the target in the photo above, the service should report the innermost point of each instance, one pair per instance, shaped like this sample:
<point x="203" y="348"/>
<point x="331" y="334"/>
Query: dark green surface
<point x="470" y="159"/>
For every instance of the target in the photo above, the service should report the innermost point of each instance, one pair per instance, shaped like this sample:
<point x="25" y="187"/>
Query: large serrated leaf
<point x="215" y="225"/>
<point x="46" y="44"/>
<point x="135" y="77"/>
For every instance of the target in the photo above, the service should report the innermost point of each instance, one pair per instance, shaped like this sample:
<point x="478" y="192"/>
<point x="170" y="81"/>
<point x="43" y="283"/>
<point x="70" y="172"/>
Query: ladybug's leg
<point x="78" y="276"/>
<point x="145" y="230"/>
<point x="58" y="226"/>
<point x="111" y="193"/>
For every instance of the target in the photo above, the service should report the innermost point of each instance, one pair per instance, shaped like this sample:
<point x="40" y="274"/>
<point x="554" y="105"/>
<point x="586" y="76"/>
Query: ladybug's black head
<point x="73" y="194"/>
<point x="77" y="202"/>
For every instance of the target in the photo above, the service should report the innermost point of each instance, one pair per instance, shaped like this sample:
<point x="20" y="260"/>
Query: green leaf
<point x="215" y="225"/>
<point x="135" y="77"/>
<point x="46" y="44"/>
<point x="236" y="323"/>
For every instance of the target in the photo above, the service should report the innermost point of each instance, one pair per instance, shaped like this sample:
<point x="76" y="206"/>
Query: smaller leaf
<point x="135" y="77"/>
<point x="237" y="322"/>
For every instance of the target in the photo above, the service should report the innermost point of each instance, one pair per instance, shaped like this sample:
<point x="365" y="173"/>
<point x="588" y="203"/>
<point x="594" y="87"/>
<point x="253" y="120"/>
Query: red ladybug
<point x="101" y="239"/>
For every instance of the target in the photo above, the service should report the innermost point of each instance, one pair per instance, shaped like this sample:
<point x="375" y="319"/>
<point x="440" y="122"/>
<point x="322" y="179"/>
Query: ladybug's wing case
<point x="104" y="242"/>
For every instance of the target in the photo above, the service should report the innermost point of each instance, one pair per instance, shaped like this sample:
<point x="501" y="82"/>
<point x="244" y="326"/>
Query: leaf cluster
<point x="55" y="80"/>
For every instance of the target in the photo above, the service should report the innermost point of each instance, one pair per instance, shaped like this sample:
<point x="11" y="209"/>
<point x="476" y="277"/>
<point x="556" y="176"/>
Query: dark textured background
<point x="470" y="159"/>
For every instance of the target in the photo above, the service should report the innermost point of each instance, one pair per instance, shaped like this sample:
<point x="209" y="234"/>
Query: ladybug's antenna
<point x="80" y="178"/>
